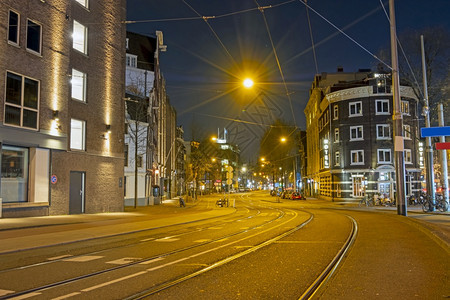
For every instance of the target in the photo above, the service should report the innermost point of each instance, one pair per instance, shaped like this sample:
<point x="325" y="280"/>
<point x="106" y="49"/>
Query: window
<point x="357" y="157"/>
<point x="83" y="2"/>
<point x="139" y="161"/>
<point x="78" y="85"/>
<point x="382" y="107"/>
<point x="126" y="155"/>
<point x="22" y="101"/>
<point x="356" y="133"/>
<point x="408" y="157"/>
<point x="34" y="36"/>
<point x="337" y="158"/>
<point x="14" y="173"/>
<point x="358" y="186"/>
<point x="127" y="43"/>
<point x="355" y="109"/>
<point x="131" y="60"/>
<point x="407" y="131"/>
<point x="405" y="107"/>
<point x="384" y="156"/>
<point x="336" y="135"/>
<point x="13" y="27"/>
<point x="383" y="132"/>
<point x="335" y="112"/>
<point x="77" y="134"/>
<point x="79" y="37"/>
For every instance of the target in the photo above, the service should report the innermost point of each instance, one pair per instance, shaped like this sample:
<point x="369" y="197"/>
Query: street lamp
<point x="248" y="83"/>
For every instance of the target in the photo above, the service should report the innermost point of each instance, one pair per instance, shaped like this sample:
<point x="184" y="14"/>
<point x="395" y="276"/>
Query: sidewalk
<point x="27" y="233"/>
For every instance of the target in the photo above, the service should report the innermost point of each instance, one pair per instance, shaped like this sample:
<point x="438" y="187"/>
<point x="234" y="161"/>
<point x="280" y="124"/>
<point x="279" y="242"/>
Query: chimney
<point x="340" y="69"/>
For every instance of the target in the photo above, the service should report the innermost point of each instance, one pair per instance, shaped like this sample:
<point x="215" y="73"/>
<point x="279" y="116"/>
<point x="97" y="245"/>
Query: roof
<point x="144" y="48"/>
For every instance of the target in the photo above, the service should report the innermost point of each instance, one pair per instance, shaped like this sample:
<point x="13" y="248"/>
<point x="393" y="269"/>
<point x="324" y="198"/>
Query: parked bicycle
<point x="440" y="203"/>
<point x="366" y="201"/>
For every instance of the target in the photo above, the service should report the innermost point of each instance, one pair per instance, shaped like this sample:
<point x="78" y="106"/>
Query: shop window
<point x="14" y="174"/>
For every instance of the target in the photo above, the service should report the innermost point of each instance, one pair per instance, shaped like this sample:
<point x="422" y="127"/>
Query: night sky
<point x="206" y="61"/>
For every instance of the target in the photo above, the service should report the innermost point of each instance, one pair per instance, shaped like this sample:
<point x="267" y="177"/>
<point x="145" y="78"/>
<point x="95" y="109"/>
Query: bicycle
<point x="440" y="204"/>
<point x="367" y="201"/>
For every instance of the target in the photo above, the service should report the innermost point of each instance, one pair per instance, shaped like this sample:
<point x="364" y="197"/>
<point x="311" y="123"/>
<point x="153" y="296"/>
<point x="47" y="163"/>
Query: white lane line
<point x="83" y="258"/>
<point x="151" y="261"/>
<point x="202" y="241"/>
<point x="67" y="296"/>
<point x="123" y="261"/>
<point x="113" y="281"/>
<point x="147" y="240"/>
<point x="59" y="257"/>
<point x="167" y="239"/>
<point x="26" y="296"/>
<point x="5" y="292"/>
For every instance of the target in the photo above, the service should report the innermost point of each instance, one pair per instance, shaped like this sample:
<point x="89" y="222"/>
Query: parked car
<point x="297" y="196"/>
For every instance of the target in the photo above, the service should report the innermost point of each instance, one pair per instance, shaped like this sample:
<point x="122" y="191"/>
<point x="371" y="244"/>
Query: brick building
<point x="61" y="106"/>
<point x="350" y="146"/>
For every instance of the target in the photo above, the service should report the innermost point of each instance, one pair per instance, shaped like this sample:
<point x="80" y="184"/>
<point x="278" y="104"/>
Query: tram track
<point x="281" y="214"/>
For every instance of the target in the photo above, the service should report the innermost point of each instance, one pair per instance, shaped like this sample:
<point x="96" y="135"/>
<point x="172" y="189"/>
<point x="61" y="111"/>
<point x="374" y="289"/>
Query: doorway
<point x="77" y="187"/>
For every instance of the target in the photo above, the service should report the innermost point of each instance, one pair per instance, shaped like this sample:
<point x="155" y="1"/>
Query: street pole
<point x="397" y="119"/>
<point x="428" y="148"/>
<point x="444" y="179"/>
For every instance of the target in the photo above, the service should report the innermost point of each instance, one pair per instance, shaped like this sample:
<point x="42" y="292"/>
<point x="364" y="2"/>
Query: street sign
<point x="443" y="146"/>
<point x="53" y="179"/>
<point x="435" y="131"/>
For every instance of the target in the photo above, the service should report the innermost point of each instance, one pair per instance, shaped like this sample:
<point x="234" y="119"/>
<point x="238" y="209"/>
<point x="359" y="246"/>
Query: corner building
<point x="350" y="145"/>
<point x="61" y="106"/>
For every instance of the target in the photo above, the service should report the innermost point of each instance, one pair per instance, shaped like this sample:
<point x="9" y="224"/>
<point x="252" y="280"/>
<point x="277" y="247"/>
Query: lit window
<point x="356" y="133"/>
<point x="77" y="134"/>
<point x="405" y="107"/>
<point x="355" y="109"/>
<point x="34" y="36"/>
<point x="357" y="157"/>
<point x="407" y="130"/>
<point x="408" y="157"/>
<point x="21" y="101"/>
<point x="382" y="107"/>
<point x="384" y="156"/>
<point x="79" y="37"/>
<point x="13" y="27"/>
<point x="78" y="85"/>
<point x="83" y="2"/>
<point x="383" y="132"/>
<point x="335" y="112"/>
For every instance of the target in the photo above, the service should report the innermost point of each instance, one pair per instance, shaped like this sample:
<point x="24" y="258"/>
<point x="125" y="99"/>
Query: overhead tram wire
<point x="261" y="9"/>
<point x="346" y="35"/>
<point x="212" y="30"/>
<point x="404" y="54"/>
<point x="312" y="39"/>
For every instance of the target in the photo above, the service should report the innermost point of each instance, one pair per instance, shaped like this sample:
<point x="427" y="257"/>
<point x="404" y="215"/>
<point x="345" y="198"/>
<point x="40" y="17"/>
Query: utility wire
<point x="403" y="53"/>
<point x="261" y="9"/>
<point x="346" y="35"/>
<point x="312" y="40"/>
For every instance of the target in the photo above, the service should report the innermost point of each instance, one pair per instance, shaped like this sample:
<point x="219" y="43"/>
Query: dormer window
<point x="131" y="61"/>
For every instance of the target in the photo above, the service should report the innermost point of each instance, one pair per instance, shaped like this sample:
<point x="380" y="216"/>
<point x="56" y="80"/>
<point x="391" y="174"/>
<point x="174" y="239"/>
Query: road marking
<point x="67" y="296"/>
<point x="113" y="281"/>
<point x="26" y="296"/>
<point x="83" y="258"/>
<point x="123" y="261"/>
<point x="151" y="261"/>
<point x="147" y="240"/>
<point x="244" y="228"/>
<point x="5" y="292"/>
<point x="202" y="241"/>
<point x="59" y="257"/>
<point x="167" y="239"/>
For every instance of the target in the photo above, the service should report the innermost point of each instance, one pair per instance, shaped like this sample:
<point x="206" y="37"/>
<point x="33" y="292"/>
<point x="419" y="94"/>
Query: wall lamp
<point x="56" y="115"/>
<point x="108" y="128"/>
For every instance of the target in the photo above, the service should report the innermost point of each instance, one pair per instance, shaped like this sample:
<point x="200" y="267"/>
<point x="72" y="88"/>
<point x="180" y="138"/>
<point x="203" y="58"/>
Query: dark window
<point x="34" y="36"/>
<point x="13" y="27"/>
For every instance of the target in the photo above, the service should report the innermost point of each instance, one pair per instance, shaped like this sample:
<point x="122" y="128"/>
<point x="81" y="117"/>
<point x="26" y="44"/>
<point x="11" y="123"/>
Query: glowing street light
<point x="248" y="83"/>
<point x="283" y="139"/>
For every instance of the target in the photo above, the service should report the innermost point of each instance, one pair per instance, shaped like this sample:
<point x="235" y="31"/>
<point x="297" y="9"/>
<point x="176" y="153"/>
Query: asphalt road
<point x="261" y="249"/>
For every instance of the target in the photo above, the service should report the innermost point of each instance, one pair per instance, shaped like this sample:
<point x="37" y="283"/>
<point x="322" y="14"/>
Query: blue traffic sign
<point x="435" y="131"/>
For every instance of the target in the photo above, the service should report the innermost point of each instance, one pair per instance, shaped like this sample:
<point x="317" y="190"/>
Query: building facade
<point x="350" y="145"/>
<point x="61" y="107"/>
